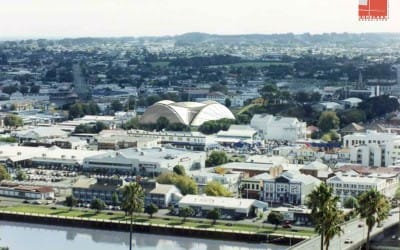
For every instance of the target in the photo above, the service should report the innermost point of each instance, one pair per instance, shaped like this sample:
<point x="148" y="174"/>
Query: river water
<point x="24" y="236"/>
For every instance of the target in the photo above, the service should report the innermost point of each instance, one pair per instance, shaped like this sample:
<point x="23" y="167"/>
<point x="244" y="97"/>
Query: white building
<point x="291" y="187"/>
<point x="373" y="148"/>
<point x="352" y="185"/>
<point x="237" y="133"/>
<point x="146" y="161"/>
<point x="279" y="128"/>
<point x="229" y="207"/>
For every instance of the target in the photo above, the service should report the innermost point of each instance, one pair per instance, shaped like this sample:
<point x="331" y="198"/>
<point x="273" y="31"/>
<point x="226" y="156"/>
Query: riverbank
<point x="167" y="226"/>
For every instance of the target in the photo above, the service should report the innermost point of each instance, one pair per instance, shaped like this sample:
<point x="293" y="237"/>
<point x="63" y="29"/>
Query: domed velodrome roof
<point x="188" y="113"/>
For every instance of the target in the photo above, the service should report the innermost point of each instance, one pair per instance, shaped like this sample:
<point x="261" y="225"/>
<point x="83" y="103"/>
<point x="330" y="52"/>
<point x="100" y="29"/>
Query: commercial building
<point x="291" y="187"/>
<point x="14" y="155"/>
<point x="146" y="161"/>
<point x="237" y="133"/>
<point x="88" y="189"/>
<point x="187" y="113"/>
<point x="187" y="140"/>
<point x="373" y="148"/>
<point x="16" y="190"/>
<point x="279" y="128"/>
<point x="230" y="180"/>
<point x="352" y="185"/>
<point x="228" y="207"/>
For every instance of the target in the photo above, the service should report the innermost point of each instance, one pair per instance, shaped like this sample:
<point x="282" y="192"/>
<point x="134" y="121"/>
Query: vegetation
<point x="275" y="218"/>
<point x="133" y="201"/>
<point x="151" y="209"/>
<point x="213" y="215"/>
<point x="115" y="199"/>
<point x="216" y="158"/>
<point x="91" y="129"/>
<point x="4" y="175"/>
<point x="326" y="216"/>
<point x="185" y="212"/>
<point x="97" y="204"/>
<point x="13" y="121"/>
<point x="184" y="183"/>
<point x="328" y="120"/>
<point x="179" y="170"/>
<point x="211" y="127"/>
<point x="214" y="188"/>
<point x="118" y="216"/>
<point x="378" y="106"/>
<point x="81" y="109"/>
<point x="374" y="207"/>
<point x="70" y="201"/>
<point x="220" y="170"/>
<point x="8" y="139"/>
<point x="20" y="176"/>
<point x="350" y="202"/>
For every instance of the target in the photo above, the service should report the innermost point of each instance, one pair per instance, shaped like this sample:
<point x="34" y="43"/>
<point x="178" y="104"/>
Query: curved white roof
<point x="188" y="113"/>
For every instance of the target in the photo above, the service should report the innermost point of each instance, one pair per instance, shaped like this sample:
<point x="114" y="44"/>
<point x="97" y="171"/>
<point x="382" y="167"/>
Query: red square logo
<point x="373" y="9"/>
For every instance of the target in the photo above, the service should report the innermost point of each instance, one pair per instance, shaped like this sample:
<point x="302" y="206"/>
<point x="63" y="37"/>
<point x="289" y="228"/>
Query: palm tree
<point x="332" y="220"/>
<point x="326" y="217"/>
<point x="133" y="201"/>
<point x="374" y="207"/>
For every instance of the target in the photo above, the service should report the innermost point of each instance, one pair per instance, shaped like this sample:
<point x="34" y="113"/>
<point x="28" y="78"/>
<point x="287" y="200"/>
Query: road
<point x="351" y="231"/>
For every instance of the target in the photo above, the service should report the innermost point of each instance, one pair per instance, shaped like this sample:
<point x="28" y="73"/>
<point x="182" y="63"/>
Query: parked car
<point x="348" y="241"/>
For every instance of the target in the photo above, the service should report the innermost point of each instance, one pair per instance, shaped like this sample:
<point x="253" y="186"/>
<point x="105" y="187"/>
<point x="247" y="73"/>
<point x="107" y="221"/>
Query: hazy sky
<point x="72" y="18"/>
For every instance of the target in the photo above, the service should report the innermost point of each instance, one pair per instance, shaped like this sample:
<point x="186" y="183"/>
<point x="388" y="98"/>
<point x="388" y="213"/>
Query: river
<point x="24" y="236"/>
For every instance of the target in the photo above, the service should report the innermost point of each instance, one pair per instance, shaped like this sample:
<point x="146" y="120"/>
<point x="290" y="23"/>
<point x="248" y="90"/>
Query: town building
<point x="373" y="148"/>
<point x="291" y="187"/>
<point x="163" y="196"/>
<point x="279" y="128"/>
<point x="352" y="185"/>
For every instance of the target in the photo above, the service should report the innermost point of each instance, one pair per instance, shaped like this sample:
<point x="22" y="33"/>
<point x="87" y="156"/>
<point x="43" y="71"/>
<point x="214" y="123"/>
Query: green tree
<point x="185" y="212"/>
<point x="275" y="218"/>
<point x="228" y="102"/>
<point x="350" y="202"/>
<point x="115" y="199"/>
<point x="97" y="204"/>
<point x="270" y="93"/>
<point x="117" y="106"/>
<point x="396" y="195"/>
<point x="374" y="207"/>
<point x="179" y="170"/>
<point x="20" y="176"/>
<point x="131" y="124"/>
<point x="162" y="123"/>
<point x="326" y="216"/>
<point x="216" y="158"/>
<point x="214" y="188"/>
<point x="4" y="175"/>
<point x="35" y="89"/>
<point x="70" y="201"/>
<point x="328" y="120"/>
<point x="184" y="183"/>
<point x="151" y="209"/>
<point x="13" y="121"/>
<point x="213" y="215"/>
<point x="217" y="87"/>
<point x="133" y="201"/>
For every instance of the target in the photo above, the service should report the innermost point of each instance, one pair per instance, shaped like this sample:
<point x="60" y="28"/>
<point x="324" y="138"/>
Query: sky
<point x="110" y="18"/>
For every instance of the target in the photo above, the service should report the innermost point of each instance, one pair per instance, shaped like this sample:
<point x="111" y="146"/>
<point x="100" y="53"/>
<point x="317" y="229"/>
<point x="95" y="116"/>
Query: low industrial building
<point x="228" y="207"/>
<point x="16" y="190"/>
<point x="145" y="162"/>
